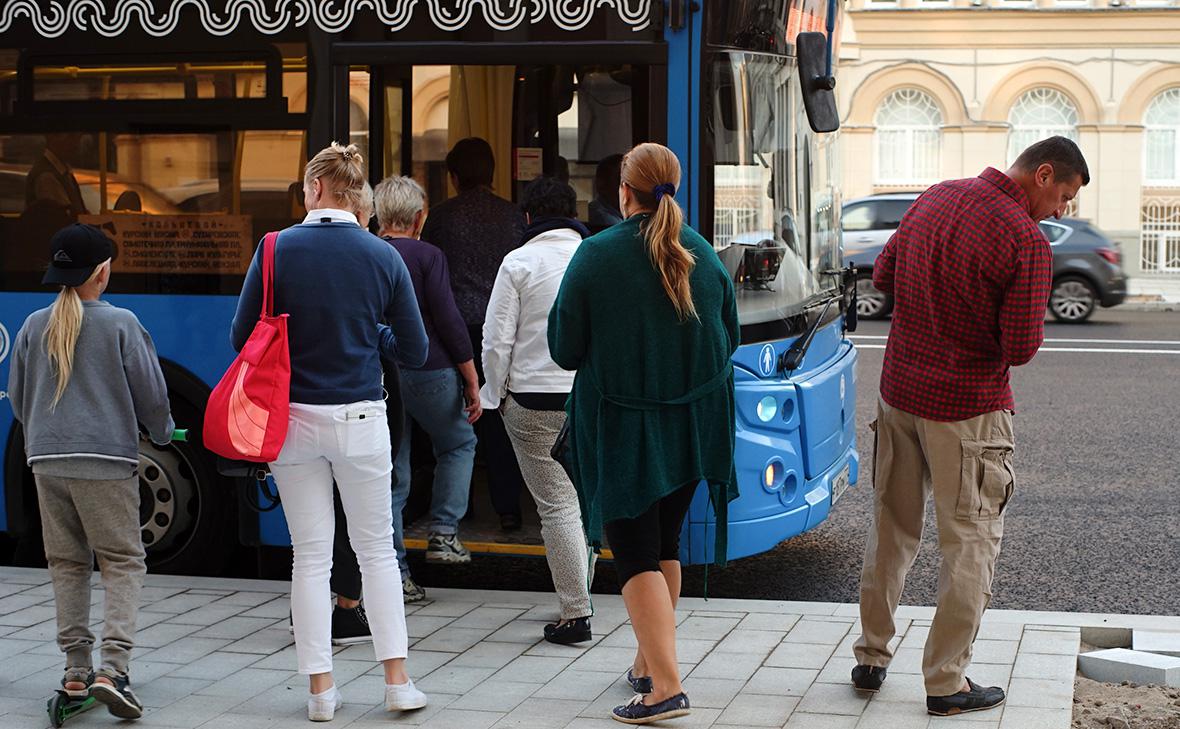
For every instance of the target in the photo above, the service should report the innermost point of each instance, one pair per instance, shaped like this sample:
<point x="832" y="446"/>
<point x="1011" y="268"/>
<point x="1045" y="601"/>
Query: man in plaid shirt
<point x="970" y="274"/>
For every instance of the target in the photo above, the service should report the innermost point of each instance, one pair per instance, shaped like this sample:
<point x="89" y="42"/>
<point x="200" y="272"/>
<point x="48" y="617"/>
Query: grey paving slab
<point x="1044" y="665"/>
<point x="215" y="666"/>
<point x="768" y="621"/>
<point x="487" y="617"/>
<point x="205" y="614"/>
<point x="728" y="665"/>
<point x="180" y="603"/>
<point x="167" y="690"/>
<point x="454" y="679"/>
<point x="1019" y="717"/>
<point x="909" y="688"/>
<point x="573" y="684"/>
<point x="994" y="651"/>
<point x="279" y="607"/>
<point x="706" y="627"/>
<point x="605" y="658"/>
<point x="781" y="681"/>
<point x="186" y="650"/>
<point x="246" y="683"/>
<point x="520" y="631"/>
<point x="533" y="713"/>
<point x="800" y="655"/>
<point x="814" y="631"/>
<point x="497" y="695"/>
<point x="489" y="655"/>
<point x="833" y="698"/>
<point x="716" y="693"/>
<point x="162" y="634"/>
<point x="1040" y="693"/>
<point x="453" y="640"/>
<point x="235" y="627"/>
<point x="760" y="642"/>
<point x="450" y="718"/>
<point x="758" y="711"/>
<point x="533" y="669"/>
<point x="803" y="720"/>
<point x="1041" y="641"/>
<point x="264" y="642"/>
<point x="894" y="716"/>
<point x="28" y="617"/>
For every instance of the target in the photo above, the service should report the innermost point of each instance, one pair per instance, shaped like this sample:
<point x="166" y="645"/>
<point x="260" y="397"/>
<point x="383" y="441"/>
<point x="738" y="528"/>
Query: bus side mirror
<point x="819" y="95"/>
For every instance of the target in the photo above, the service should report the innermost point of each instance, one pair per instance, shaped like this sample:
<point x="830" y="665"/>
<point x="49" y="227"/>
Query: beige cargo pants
<point x="967" y="465"/>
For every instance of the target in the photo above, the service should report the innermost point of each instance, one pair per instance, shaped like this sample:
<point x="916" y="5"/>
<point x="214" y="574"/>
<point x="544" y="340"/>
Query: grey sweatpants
<point x="532" y="433"/>
<point x="81" y="518"/>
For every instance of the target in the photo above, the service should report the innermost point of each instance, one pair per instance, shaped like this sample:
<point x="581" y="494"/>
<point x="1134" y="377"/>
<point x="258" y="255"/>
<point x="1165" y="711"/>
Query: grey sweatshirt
<point x="116" y="382"/>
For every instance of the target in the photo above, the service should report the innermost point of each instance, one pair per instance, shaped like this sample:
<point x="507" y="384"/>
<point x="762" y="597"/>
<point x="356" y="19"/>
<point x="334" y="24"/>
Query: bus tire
<point x="187" y="510"/>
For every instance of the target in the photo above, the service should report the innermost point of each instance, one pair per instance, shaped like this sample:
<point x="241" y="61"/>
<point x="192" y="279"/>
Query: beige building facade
<point x="931" y="90"/>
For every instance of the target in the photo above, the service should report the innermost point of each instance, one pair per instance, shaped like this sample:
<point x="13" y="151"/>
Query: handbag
<point x="247" y="414"/>
<point x="563" y="450"/>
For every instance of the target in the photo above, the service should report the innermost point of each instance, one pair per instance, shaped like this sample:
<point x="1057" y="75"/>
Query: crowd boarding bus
<point x="181" y="127"/>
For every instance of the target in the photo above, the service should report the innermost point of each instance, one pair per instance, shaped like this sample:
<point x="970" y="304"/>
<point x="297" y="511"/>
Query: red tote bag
<point x="247" y="414"/>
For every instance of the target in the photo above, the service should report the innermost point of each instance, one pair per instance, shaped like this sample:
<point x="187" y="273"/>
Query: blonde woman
<point x="83" y="372"/>
<point x="351" y="304"/>
<point x="646" y="315"/>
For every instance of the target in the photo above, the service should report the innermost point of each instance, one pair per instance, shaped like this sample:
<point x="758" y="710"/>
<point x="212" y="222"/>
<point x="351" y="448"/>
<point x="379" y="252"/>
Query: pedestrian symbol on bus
<point x="766" y="360"/>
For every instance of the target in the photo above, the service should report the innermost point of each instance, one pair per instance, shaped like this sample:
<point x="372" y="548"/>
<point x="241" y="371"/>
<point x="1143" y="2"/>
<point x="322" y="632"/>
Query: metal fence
<point x="1159" y="246"/>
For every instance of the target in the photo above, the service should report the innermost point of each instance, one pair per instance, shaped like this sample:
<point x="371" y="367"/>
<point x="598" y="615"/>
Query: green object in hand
<point x="180" y="435"/>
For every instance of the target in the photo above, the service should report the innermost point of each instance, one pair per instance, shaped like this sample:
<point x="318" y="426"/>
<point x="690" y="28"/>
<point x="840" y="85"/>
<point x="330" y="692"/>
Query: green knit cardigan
<point x="652" y="406"/>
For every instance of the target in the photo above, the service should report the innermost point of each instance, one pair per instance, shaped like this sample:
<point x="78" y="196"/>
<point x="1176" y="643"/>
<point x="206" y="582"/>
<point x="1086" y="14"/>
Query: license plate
<point x="840" y="484"/>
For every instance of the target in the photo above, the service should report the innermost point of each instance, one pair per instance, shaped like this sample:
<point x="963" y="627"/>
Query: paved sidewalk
<point x="217" y="653"/>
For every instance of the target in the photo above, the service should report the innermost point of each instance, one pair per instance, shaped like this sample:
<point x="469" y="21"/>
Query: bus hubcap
<point x="166" y="489"/>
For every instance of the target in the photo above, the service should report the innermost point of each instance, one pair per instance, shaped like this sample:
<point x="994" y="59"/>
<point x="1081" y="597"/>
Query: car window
<point x="890" y="212"/>
<point x="858" y="217"/>
<point x="1053" y="231"/>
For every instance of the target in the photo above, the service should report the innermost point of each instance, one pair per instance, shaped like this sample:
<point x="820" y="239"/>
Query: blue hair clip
<point x="666" y="188"/>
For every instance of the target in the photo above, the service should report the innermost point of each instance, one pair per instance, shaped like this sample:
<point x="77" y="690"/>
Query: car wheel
<point x="871" y="303"/>
<point x="1073" y="299"/>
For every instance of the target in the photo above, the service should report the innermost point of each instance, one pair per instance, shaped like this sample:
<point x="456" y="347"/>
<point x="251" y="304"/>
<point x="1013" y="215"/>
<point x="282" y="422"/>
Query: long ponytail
<point x="61" y="335"/>
<point x="653" y="173"/>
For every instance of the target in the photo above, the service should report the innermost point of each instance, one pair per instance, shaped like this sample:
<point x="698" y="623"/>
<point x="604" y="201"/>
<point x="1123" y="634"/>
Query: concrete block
<point x="1115" y="665"/>
<point x="1154" y="641"/>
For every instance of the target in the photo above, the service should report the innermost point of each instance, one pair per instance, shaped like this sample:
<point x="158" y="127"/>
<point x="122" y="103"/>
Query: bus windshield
<point x="773" y="217"/>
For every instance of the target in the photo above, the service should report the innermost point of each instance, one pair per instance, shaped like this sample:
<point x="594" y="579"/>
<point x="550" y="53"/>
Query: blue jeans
<point x="434" y="399"/>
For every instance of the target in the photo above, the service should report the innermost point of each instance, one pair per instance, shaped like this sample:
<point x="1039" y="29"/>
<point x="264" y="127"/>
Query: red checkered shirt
<point x="970" y="273"/>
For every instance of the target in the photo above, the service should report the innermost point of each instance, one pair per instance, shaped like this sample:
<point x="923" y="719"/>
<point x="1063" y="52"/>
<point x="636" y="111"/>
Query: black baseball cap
<point x="74" y="252"/>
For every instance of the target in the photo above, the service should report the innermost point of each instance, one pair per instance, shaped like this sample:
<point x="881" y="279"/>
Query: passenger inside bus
<point x="52" y="178"/>
<point x="476" y="229"/>
<point x="604" y="208"/>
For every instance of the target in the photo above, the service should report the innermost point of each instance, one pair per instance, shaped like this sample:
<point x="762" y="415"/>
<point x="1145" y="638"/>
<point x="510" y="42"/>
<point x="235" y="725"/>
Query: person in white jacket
<point x="530" y="390"/>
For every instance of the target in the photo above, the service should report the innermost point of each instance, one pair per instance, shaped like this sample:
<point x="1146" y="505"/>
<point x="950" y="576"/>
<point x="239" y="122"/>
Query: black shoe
<point x="571" y="631"/>
<point x="977" y="699"/>
<point x="868" y="678"/>
<point x="637" y="712"/>
<point x="350" y="626"/>
<point x="639" y="684"/>
<point x="510" y="522"/>
<point x="117" y="695"/>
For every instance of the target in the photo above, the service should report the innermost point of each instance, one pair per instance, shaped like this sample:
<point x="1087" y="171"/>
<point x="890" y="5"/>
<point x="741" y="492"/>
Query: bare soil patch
<point x="1124" y="706"/>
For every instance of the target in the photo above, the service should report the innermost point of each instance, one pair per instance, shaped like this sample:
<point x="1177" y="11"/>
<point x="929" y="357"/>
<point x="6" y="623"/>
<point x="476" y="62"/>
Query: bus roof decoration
<point x="819" y="96"/>
<point x="160" y="18"/>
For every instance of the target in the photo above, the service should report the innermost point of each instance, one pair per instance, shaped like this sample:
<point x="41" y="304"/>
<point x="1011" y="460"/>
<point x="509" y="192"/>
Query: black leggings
<point x="641" y="543"/>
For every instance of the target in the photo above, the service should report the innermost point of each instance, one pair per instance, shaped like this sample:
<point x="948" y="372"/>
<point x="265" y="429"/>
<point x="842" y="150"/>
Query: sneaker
<point x="322" y="707"/>
<point x="117" y="695"/>
<point x="446" y="549"/>
<point x="403" y="697"/>
<point x="350" y="626"/>
<point x="412" y="591"/>
<point x="637" y="712"/>
<point x="639" y="684"/>
<point x="868" y="678"/>
<point x="569" y="632"/>
<point x="77" y="675"/>
<point x="976" y="699"/>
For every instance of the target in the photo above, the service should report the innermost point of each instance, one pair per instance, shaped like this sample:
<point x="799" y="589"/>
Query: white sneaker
<point x="403" y="697"/>
<point x="322" y="707"/>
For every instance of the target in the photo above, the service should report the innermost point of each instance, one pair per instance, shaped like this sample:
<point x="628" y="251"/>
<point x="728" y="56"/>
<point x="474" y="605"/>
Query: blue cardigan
<point x="350" y="302"/>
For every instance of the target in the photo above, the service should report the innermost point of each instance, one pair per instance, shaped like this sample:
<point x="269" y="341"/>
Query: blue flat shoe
<point x="636" y="712"/>
<point x="639" y="684"/>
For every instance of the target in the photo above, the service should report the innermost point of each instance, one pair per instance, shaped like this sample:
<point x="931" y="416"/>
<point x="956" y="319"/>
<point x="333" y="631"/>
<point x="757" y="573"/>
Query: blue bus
<point x="181" y="127"/>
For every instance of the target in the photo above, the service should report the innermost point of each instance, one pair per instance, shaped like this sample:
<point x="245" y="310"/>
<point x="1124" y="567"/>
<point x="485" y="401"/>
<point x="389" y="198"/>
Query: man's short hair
<point x="1059" y="152"/>
<point x="471" y="161"/>
<point x="398" y="200"/>
<point x="549" y="197"/>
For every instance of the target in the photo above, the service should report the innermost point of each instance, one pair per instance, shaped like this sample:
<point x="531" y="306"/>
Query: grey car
<point x="1087" y="265"/>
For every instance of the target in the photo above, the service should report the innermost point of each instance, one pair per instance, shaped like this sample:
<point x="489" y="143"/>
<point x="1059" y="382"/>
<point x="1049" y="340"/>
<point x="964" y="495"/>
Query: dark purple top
<point x="449" y="341"/>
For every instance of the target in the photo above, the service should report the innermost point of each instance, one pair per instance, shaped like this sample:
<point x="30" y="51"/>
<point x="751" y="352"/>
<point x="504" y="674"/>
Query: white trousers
<point x="348" y="444"/>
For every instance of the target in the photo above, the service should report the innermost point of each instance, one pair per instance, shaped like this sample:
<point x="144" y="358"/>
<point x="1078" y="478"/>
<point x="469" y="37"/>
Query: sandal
<point x="77" y="674"/>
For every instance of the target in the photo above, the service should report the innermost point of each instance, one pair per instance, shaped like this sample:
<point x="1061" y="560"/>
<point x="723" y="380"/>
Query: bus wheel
<point x="185" y="510"/>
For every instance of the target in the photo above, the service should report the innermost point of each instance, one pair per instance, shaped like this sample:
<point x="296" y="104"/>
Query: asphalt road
<point x="1095" y="521"/>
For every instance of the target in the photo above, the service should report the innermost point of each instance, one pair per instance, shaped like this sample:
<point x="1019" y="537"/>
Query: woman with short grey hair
<point x="442" y="395"/>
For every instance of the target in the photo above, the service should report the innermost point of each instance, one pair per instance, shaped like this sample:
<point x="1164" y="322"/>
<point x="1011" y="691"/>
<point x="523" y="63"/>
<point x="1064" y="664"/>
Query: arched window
<point x="1037" y="115"/>
<point x="908" y="139"/>
<point x="1161" y="147"/>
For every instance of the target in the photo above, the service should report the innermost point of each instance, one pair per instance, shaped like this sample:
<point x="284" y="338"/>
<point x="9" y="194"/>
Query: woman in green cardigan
<point x="646" y="314"/>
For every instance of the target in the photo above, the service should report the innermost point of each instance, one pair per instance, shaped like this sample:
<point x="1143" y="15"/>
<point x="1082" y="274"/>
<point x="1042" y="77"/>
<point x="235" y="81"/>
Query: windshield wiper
<point x="793" y="357"/>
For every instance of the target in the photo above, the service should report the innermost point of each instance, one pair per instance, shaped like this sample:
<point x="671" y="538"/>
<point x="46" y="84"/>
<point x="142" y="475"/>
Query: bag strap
<point x="268" y="273"/>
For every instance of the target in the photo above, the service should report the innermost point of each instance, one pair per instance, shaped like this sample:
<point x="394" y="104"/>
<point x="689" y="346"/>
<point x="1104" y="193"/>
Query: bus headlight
<point x="767" y="408"/>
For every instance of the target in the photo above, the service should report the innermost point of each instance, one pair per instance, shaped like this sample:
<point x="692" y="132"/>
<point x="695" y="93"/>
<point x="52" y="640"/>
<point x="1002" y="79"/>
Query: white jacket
<point x="515" y="330"/>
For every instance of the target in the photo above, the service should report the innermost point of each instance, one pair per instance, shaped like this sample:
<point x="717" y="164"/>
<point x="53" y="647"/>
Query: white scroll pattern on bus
<point x="331" y="16"/>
